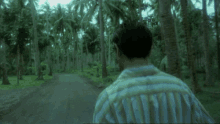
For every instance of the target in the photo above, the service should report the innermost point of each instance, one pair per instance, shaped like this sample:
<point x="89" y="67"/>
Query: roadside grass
<point x="96" y="77"/>
<point x="210" y="101"/>
<point x="29" y="81"/>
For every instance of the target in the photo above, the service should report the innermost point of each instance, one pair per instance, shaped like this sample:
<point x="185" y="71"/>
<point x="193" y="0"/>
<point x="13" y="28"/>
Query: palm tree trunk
<point x="169" y="33"/>
<point x="64" y="61"/>
<point x="58" y="60"/>
<point x="68" y="60"/>
<point x="87" y="53"/>
<point x="77" y="61"/>
<point x="21" y="63"/>
<point x="206" y="46"/>
<point x="5" y="80"/>
<point x="40" y="75"/>
<point x="194" y="80"/>
<point x="50" y="62"/>
<point x="217" y="36"/>
<point x="1" y="68"/>
<point x="75" y="50"/>
<point x="109" y="51"/>
<point x="93" y="57"/>
<point x="82" y="62"/>
<point x="104" y="71"/>
<point x="175" y="25"/>
<point x="49" y="49"/>
<point x="34" y="51"/>
<point x="72" y="60"/>
<point x="18" y="65"/>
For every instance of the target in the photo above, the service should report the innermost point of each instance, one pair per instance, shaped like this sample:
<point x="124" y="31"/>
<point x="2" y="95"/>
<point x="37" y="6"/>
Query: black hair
<point x="133" y="39"/>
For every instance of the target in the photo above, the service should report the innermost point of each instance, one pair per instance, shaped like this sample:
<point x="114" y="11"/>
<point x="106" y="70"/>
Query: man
<point x="142" y="93"/>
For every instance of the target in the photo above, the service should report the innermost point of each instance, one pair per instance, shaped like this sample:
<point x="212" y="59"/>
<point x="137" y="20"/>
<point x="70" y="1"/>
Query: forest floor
<point x="65" y="99"/>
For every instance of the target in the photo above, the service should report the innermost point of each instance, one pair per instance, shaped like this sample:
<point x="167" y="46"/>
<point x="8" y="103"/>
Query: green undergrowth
<point x="210" y="101"/>
<point x="29" y="81"/>
<point x="96" y="76"/>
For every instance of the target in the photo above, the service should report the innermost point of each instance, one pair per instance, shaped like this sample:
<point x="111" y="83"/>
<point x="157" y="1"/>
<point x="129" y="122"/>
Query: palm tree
<point x="15" y="16"/>
<point x="47" y="11"/>
<point x="68" y="22"/>
<point x="170" y="36"/>
<point x="196" y="87"/>
<point x="116" y="11"/>
<point x="104" y="71"/>
<point x="209" y="81"/>
<point x="37" y="56"/>
<point x="109" y="7"/>
<point x="216" y="3"/>
<point x="91" y="40"/>
<point x="59" y="21"/>
<point x="3" y="67"/>
<point x="75" y="25"/>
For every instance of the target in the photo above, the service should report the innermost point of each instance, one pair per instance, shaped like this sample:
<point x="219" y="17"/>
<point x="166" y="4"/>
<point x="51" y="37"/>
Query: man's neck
<point x="136" y="63"/>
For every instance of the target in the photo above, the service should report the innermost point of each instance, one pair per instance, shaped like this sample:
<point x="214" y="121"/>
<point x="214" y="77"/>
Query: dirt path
<point x="70" y="99"/>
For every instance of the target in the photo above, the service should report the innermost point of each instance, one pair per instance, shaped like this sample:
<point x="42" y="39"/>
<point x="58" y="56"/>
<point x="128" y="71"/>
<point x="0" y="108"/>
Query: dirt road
<point x="70" y="99"/>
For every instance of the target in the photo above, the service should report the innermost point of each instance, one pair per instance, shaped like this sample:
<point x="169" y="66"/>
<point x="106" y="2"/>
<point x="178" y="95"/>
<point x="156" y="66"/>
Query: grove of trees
<point x="63" y="38"/>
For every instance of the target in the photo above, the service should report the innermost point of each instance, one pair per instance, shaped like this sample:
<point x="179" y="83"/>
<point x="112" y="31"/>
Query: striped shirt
<point x="148" y="95"/>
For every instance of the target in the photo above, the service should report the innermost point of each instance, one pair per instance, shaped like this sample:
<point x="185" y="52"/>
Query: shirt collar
<point x="141" y="71"/>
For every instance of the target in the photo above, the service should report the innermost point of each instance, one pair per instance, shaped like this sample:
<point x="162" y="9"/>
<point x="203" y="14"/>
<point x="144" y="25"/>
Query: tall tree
<point x="216" y="4"/>
<point x="170" y="37"/>
<point x="3" y="67"/>
<point x="48" y="27"/>
<point x="15" y="14"/>
<point x="194" y="80"/>
<point x="104" y="70"/>
<point x="209" y="81"/>
<point x="111" y="8"/>
<point x="37" y="56"/>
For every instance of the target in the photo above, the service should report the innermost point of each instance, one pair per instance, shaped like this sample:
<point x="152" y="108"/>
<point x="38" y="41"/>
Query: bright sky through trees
<point x="210" y="9"/>
<point x="53" y="3"/>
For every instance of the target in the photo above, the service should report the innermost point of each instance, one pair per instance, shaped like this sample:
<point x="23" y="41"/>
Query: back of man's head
<point x="133" y="39"/>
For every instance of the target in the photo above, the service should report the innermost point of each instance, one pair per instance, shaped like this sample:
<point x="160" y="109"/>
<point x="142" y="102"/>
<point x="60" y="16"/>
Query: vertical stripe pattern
<point x="147" y="95"/>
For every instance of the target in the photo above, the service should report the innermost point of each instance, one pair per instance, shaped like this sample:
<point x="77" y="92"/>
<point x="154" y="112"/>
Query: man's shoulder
<point x="157" y="78"/>
<point x="153" y="81"/>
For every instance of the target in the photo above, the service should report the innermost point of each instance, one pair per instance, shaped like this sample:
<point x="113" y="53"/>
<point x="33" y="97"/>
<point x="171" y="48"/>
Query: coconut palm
<point x="73" y="20"/>
<point x="47" y="17"/>
<point x="209" y="81"/>
<point x="91" y="40"/>
<point x="3" y="69"/>
<point x="37" y="55"/>
<point x="169" y="33"/>
<point x="91" y="12"/>
<point x="217" y="4"/>
<point x="17" y="14"/>
<point x="66" y="21"/>
<point x="196" y="87"/>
